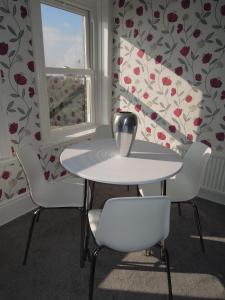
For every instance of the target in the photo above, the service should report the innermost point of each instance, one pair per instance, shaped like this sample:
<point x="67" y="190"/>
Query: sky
<point x="63" y="36"/>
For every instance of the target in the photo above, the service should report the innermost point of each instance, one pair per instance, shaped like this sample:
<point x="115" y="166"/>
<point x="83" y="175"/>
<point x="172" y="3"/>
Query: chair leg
<point x="92" y="272"/>
<point x="82" y="236"/>
<point x="166" y="257"/>
<point x="138" y="192"/>
<point x="179" y="209"/>
<point x="38" y="215"/>
<point x="197" y="219"/>
<point x="35" y="215"/>
<point x="92" y="194"/>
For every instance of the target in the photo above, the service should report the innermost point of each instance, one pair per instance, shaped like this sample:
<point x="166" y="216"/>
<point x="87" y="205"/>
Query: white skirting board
<point x="14" y="208"/>
<point x="213" y="196"/>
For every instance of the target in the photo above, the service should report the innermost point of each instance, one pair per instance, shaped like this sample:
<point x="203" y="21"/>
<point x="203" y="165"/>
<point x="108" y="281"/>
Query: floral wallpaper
<point x="17" y="77"/>
<point x="168" y="68"/>
<point x="17" y="72"/>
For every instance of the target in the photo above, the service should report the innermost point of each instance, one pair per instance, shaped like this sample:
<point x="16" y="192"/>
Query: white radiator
<point x="214" y="178"/>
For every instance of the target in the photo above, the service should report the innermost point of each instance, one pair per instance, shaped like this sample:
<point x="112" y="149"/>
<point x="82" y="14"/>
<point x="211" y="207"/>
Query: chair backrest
<point x="194" y="165"/>
<point x="133" y="223"/>
<point x="104" y="132"/>
<point x="33" y="170"/>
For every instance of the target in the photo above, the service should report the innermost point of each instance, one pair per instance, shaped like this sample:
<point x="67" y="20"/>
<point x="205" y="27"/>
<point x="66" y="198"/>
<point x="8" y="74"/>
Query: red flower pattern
<point x="152" y="76"/>
<point x="5" y="175"/>
<point x="135" y="32"/>
<point x="139" y="11"/>
<point x="133" y="89"/>
<point x="173" y="92"/>
<point x="22" y="191"/>
<point x="177" y="112"/>
<point x="222" y="10"/>
<point x="154" y="116"/>
<point x="30" y="65"/>
<point x="167" y="145"/>
<point x="184" y="51"/>
<point x="23" y="12"/>
<point x="127" y="79"/>
<point x="196" y="33"/>
<point x="207" y="6"/>
<point x="156" y="14"/>
<point x="222" y="97"/>
<point x="141" y="53"/>
<point x="31" y="92"/>
<point x="47" y="174"/>
<point x="149" y="37"/>
<point x="137" y="107"/>
<point x="120" y="60"/>
<point x="172" y="128"/>
<point x="198" y="77"/>
<point x="20" y="79"/>
<point x="63" y="173"/>
<point x="220" y="136"/>
<point x="37" y="136"/>
<point x="215" y="83"/>
<point x="179" y="71"/>
<point x="172" y="17"/>
<point x="148" y="129"/>
<point x="179" y="28"/>
<point x="13" y="128"/>
<point x="137" y="71"/>
<point x="117" y="20"/>
<point x="158" y="59"/>
<point x="52" y="158"/>
<point x="188" y="98"/>
<point x="145" y="95"/>
<point x="189" y="137"/>
<point x="129" y="23"/>
<point x="185" y="4"/>
<point x="3" y="48"/>
<point x="161" y="135"/>
<point x="206" y="58"/>
<point x="166" y="81"/>
<point x="197" y="121"/>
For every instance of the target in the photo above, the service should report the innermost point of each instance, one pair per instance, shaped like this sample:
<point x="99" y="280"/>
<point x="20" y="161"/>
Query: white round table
<point x="98" y="160"/>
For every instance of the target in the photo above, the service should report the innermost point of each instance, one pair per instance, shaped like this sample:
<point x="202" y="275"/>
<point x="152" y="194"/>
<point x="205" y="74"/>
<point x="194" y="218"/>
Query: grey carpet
<point x="53" y="272"/>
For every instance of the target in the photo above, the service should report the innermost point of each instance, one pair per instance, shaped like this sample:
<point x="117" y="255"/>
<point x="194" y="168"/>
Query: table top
<point x="98" y="160"/>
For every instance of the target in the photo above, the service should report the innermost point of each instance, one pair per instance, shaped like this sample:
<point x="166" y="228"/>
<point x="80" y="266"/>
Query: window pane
<point x="67" y="100"/>
<point x="64" y="38"/>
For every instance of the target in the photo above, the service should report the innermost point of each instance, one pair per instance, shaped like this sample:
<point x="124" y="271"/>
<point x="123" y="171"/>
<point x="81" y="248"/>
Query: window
<point x="64" y="62"/>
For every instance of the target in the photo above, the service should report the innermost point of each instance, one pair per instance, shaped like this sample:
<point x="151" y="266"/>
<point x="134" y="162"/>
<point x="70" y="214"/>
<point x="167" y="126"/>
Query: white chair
<point x="185" y="186"/>
<point x="130" y="224"/>
<point x="69" y="193"/>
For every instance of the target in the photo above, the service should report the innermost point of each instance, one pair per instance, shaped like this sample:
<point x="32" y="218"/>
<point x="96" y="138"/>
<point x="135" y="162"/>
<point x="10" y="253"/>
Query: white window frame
<point x="59" y="134"/>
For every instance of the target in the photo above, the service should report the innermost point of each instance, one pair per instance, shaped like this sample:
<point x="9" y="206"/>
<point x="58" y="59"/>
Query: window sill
<point x="59" y="139"/>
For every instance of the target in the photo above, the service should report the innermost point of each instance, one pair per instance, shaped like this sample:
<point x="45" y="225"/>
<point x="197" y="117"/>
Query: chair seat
<point x="62" y="193"/>
<point x="94" y="218"/>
